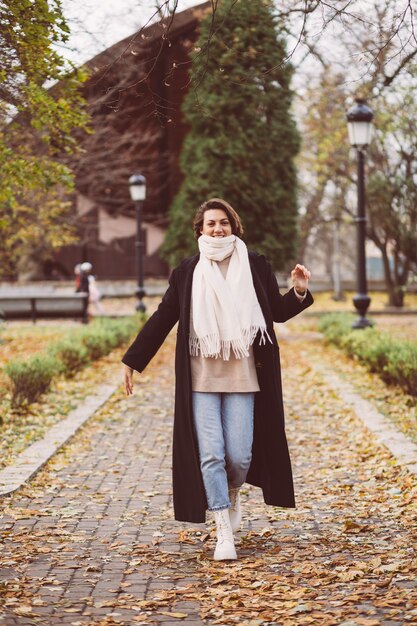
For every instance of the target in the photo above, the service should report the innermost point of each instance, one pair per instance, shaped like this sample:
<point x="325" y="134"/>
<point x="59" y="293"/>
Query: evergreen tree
<point x="242" y="139"/>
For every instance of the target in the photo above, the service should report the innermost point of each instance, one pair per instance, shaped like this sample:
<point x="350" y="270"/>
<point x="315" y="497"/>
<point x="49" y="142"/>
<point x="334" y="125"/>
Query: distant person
<point x="83" y="283"/>
<point x="94" y="294"/>
<point x="88" y="285"/>
<point x="77" y="276"/>
<point x="229" y="415"/>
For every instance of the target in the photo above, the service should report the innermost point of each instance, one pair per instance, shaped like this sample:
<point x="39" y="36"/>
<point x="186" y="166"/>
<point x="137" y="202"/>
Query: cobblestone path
<point x="91" y="541"/>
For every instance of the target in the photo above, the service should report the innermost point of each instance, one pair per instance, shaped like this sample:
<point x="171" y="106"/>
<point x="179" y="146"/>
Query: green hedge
<point x="32" y="377"/>
<point x="395" y="360"/>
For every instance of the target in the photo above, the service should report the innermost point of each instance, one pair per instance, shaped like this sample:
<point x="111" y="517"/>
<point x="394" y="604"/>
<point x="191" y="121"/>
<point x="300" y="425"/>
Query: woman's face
<point x="216" y="223"/>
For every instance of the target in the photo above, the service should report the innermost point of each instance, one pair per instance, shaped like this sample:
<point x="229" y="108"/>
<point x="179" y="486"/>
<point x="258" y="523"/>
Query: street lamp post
<point x="337" y="283"/>
<point x="359" y="119"/>
<point x="137" y="188"/>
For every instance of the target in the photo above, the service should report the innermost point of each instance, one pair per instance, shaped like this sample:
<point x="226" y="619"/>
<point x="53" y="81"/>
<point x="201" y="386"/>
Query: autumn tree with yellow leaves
<point x="40" y="107"/>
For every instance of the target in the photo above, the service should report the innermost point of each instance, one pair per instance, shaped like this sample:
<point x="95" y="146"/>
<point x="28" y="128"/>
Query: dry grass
<point x="323" y="301"/>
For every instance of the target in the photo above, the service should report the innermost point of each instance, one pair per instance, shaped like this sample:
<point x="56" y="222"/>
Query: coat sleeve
<point x="154" y="332"/>
<point x="286" y="306"/>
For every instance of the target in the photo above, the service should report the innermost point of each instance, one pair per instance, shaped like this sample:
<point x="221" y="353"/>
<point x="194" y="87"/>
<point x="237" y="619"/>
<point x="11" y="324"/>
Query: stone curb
<point x="35" y="456"/>
<point x="401" y="447"/>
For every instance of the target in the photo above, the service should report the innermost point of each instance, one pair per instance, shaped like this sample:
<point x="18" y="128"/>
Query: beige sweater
<point x="217" y="375"/>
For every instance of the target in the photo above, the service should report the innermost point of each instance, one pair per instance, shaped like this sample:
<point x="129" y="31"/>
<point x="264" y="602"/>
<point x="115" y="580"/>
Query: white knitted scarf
<point x="225" y="311"/>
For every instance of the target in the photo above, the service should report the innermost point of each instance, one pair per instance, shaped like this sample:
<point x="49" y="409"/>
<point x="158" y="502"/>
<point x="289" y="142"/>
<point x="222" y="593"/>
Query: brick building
<point x="134" y="96"/>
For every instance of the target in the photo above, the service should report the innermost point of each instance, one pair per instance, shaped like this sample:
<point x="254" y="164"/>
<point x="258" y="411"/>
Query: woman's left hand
<point x="128" y="379"/>
<point x="300" y="276"/>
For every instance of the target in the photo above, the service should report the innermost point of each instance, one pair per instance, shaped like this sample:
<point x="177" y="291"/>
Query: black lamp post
<point x="337" y="283"/>
<point x="359" y="119"/>
<point x="137" y="188"/>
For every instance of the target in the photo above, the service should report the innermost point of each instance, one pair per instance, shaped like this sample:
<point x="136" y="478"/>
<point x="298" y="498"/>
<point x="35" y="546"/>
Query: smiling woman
<point x="216" y="224"/>
<point x="229" y="417"/>
<point x="216" y="218"/>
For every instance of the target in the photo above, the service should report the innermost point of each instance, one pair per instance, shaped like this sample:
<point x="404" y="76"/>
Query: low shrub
<point x="71" y="354"/>
<point x="401" y="367"/>
<point x="371" y="347"/>
<point x="335" y="326"/>
<point x="31" y="378"/>
<point x="97" y="343"/>
<point x="395" y="360"/>
<point x="107" y="334"/>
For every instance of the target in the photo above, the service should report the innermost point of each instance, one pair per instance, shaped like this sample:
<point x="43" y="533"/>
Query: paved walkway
<point x="91" y="541"/>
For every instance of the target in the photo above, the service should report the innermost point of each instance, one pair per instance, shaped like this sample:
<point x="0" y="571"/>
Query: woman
<point x="229" y="417"/>
<point x="87" y="283"/>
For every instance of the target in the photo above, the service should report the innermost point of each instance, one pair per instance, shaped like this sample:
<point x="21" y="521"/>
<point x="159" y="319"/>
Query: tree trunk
<point x="399" y="297"/>
<point x="394" y="289"/>
<point x="307" y="221"/>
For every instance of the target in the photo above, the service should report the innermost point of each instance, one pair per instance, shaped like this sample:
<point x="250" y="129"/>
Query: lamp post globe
<point x="137" y="189"/>
<point x="359" y="119"/>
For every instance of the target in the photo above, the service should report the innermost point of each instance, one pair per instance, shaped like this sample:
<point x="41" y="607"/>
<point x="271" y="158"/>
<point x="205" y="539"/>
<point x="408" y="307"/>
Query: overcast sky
<point x="97" y="24"/>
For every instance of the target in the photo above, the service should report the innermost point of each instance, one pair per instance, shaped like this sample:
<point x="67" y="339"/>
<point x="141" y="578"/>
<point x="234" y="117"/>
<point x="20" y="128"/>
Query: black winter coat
<point x="270" y="467"/>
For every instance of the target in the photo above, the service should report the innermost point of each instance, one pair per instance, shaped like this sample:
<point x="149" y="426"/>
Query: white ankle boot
<point x="235" y="513"/>
<point x="225" y="547"/>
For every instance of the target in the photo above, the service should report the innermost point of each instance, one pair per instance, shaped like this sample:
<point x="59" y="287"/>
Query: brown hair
<point x="217" y="203"/>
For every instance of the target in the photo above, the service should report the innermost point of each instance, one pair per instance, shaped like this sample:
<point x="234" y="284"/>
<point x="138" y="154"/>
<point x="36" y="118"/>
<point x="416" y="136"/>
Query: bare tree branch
<point x="389" y="79"/>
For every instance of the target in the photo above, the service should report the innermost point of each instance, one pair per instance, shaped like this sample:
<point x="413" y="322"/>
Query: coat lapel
<point x="261" y="295"/>
<point x="185" y="284"/>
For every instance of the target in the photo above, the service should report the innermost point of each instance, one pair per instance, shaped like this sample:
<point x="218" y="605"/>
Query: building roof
<point x="167" y="29"/>
<point x="134" y="94"/>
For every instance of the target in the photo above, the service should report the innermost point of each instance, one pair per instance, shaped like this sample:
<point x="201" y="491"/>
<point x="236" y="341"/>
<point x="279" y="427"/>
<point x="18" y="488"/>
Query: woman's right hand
<point x="128" y="380"/>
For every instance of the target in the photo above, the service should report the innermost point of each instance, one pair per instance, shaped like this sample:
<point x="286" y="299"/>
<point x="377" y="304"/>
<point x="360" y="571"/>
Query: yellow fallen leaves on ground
<point x="345" y="556"/>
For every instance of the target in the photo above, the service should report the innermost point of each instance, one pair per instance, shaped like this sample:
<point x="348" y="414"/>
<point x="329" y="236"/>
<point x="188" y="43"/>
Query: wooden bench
<point x="34" y="306"/>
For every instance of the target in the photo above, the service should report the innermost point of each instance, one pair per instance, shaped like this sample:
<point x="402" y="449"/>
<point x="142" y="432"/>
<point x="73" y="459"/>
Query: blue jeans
<point x="224" y="429"/>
